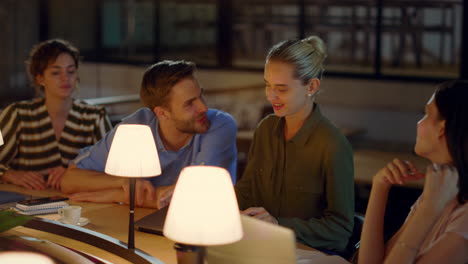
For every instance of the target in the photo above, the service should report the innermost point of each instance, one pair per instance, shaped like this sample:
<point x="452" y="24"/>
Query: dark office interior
<point x="384" y="60"/>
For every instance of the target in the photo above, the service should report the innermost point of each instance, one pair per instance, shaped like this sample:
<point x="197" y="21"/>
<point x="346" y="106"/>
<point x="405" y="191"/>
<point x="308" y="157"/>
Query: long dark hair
<point x="451" y="100"/>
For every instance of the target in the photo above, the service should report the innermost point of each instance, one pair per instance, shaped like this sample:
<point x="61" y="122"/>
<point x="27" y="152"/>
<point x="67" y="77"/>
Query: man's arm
<point x="80" y="180"/>
<point x="86" y="172"/>
<point x="161" y="199"/>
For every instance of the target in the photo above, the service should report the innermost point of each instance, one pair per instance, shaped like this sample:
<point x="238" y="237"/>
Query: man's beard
<point x="191" y="126"/>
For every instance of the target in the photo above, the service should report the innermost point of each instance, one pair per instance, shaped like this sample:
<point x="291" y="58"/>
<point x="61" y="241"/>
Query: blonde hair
<point x="306" y="55"/>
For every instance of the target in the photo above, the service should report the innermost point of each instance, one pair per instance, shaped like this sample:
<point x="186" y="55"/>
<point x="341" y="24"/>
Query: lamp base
<point x="188" y="254"/>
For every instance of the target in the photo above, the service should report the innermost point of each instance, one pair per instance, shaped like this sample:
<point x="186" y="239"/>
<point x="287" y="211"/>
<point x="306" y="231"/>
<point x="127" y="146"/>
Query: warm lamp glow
<point x="1" y="138"/>
<point x="203" y="209"/>
<point x="133" y="153"/>
<point x="15" y="257"/>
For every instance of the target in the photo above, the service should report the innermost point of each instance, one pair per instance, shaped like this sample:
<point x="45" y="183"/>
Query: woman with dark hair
<point x="436" y="229"/>
<point x="43" y="134"/>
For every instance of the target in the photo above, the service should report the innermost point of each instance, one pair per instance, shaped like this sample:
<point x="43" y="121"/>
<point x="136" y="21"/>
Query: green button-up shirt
<point x="305" y="182"/>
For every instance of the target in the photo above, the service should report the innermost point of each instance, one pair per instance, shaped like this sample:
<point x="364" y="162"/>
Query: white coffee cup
<point x="70" y="214"/>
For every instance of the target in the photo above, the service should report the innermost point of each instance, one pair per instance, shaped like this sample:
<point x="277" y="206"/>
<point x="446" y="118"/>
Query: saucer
<point x="83" y="221"/>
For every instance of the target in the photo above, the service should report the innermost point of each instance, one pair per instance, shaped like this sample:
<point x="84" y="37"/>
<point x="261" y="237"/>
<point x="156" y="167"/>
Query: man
<point x="186" y="133"/>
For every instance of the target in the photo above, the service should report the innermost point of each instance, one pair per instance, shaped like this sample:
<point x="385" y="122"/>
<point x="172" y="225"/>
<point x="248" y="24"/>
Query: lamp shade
<point x="14" y="257"/>
<point x="133" y="153"/>
<point x="203" y="209"/>
<point x="1" y="138"/>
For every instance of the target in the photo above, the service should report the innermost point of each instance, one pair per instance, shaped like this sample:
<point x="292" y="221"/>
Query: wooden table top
<point x="107" y="219"/>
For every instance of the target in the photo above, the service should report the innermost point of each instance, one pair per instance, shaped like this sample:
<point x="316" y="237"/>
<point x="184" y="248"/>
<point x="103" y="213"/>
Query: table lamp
<point x="203" y="212"/>
<point x="15" y="257"/>
<point x="133" y="154"/>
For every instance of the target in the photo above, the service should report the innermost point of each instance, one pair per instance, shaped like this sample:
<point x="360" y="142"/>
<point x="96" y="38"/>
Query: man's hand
<point x="164" y="195"/>
<point x="144" y="190"/>
<point x="55" y="177"/>
<point x="260" y="213"/>
<point x="161" y="199"/>
<point x="31" y="180"/>
<point x="104" y="196"/>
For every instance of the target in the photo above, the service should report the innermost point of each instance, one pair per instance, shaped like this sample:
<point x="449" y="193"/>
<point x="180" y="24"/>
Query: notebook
<point x="153" y="223"/>
<point x="262" y="243"/>
<point x="8" y="199"/>
<point x="46" y="205"/>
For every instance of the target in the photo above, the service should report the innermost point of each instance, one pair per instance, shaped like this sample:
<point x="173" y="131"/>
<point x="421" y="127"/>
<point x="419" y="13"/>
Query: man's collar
<point x="157" y="137"/>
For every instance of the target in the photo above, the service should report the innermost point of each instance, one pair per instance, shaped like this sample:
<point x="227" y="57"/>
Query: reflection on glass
<point x="348" y="29"/>
<point x="188" y="31"/>
<point x="257" y="25"/>
<point x="128" y="30"/>
<point x="421" y="38"/>
<point x="418" y="37"/>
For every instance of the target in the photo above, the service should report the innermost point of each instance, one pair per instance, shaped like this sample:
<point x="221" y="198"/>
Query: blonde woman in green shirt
<point x="300" y="166"/>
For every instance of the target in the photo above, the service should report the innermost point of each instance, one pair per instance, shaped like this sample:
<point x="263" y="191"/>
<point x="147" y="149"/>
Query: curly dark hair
<point x="46" y="52"/>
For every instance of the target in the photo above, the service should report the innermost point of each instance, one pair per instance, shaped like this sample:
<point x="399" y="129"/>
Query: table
<point x="107" y="219"/>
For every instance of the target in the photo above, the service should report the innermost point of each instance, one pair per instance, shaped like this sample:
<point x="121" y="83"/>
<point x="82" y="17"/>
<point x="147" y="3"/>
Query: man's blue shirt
<point x="216" y="147"/>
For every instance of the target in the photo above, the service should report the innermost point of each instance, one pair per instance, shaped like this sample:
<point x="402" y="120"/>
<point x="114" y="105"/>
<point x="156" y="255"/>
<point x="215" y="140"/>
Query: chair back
<point x="355" y="239"/>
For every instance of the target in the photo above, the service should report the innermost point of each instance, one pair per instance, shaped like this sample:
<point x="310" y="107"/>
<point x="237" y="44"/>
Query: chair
<point x="355" y="239"/>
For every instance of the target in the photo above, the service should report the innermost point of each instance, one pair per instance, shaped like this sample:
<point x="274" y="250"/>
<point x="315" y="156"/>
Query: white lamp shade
<point x="1" y="138"/>
<point x="14" y="257"/>
<point x="203" y="209"/>
<point x="133" y="153"/>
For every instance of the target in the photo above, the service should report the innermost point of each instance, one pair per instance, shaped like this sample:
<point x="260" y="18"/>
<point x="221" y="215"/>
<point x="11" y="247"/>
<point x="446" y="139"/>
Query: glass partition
<point x="128" y="30"/>
<point x="258" y="25"/>
<point x="20" y="30"/>
<point x="348" y="30"/>
<point x="188" y="30"/>
<point x="394" y="39"/>
<point x="421" y="38"/>
<point x="374" y="38"/>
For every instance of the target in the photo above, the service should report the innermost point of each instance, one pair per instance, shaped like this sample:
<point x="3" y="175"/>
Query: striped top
<point x="29" y="139"/>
